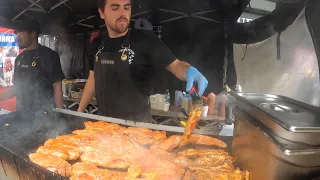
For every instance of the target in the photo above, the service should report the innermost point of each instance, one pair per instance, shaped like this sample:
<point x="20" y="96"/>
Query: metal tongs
<point x="196" y="99"/>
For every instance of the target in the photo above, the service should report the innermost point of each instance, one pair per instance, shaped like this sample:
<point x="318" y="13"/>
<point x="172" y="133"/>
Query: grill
<point x="21" y="135"/>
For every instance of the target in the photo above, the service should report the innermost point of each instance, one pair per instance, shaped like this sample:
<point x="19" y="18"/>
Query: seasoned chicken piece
<point x="97" y="174"/>
<point x="193" y="119"/>
<point x="99" y="124"/>
<point x="83" y="176"/>
<point x="159" y="136"/>
<point x="62" y="151"/>
<point x="105" y="160"/>
<point x="88" y="146"/>
<point x="111" y="152"/>
<point x="223" y="166"/>
<point x="187" y="175"/>
<point x="134" y="171"/>
<point x="70" y="139"/>
<point x="214" y="161"/>
<point x="168" y="144"/>
<point x="88" y="133"/>
<point x="84" y="171"/>
<point x="183" y="161"/>
<point x="104" y="127"/>
<point x="201" y="152"/>
<point x="53" y="151"/>
<point x="156" y="164"/>
<point x="51" y="163"/>
<point x="205" y="174"/>
<point x="81" y="168"/>
<point x="144" y="136"/>
<point x="199" y="139"/>
<point x="136" y="129"/>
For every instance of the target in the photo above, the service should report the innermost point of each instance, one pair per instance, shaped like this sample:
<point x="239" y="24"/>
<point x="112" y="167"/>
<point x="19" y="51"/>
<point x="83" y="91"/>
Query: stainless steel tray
<point x="286" y="118"/>
<point x="267" y="156"/>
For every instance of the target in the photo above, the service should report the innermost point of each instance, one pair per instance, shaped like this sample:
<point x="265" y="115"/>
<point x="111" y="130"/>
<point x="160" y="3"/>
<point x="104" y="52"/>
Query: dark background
<point x="201" y="42"/>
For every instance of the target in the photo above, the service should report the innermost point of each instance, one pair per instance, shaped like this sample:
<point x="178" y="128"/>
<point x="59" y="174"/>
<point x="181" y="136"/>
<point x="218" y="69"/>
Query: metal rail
<point x="133" y="123"/>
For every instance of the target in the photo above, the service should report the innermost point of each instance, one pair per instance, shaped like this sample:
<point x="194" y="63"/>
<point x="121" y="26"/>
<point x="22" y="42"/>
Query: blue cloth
<point x="194" y="76"/>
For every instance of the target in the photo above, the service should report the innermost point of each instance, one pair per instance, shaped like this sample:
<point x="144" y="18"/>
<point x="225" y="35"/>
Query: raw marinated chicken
<point x="61" y="151"/>
<point x="201" y="152"/>
<point x="193" y="120"/>
<point x="199" y="139"/>
<point x="169" y="144"/>
<point x="70" y="139"/>
<point x="81" y="168"/>
<point x="174" y="141"/>
<point x="51" y="163"/>
<point x="139" y="153"/>
<point x="183" y="161"/>
<point x="145" y="137"/>
<point x="213" y="160"/>
<point x="205" y="174"/>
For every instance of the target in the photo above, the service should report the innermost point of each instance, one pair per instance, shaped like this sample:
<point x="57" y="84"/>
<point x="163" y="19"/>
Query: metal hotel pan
<point x="268" y="157"/>
<point x="24" y="135"/>
<point x="286" y="118"/>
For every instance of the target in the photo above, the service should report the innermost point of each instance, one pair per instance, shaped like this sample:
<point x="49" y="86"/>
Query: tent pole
<point x="37" y="4"/>
<point x="23" y="11"/>
<point x="58" y="4"/>
<point x="81" y="20"/>
<point x="85" y="25"/>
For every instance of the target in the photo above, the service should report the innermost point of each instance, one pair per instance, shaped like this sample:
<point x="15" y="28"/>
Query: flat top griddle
<point x="25" y="133"/>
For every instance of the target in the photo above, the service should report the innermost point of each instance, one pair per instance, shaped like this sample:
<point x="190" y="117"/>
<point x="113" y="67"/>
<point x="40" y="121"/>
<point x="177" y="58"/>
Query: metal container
<point x="72" y="85"/>
<point x="269" y="157"/>
<point x="284" y="117"/>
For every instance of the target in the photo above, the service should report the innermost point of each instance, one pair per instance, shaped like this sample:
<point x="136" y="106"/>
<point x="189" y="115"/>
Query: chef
<point x="123" y="63"/>
<point x="37" y="73"/>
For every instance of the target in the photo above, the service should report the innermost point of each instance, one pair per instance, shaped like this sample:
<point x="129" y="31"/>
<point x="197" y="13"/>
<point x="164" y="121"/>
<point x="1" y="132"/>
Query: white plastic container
<point x="204" y="111"/>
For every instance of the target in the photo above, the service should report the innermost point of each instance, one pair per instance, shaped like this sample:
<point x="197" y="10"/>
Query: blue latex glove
<point x="193" y="75"/>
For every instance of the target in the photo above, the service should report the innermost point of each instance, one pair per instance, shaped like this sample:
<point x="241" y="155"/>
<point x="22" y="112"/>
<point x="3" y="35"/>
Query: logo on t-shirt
<point x="130" y="54"/>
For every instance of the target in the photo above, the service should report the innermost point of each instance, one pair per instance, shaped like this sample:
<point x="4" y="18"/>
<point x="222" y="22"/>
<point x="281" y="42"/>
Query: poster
<point x="9" y="50"/>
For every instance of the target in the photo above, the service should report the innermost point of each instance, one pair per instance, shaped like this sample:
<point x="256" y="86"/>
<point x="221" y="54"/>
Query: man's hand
<point x="183" y="71"/>
<point x="193" y="75"/>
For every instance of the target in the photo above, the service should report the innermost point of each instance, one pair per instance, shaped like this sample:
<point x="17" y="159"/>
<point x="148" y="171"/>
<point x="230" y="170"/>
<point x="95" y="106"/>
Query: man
<point x="37" y="73"/>
<point x="123" y="64"/>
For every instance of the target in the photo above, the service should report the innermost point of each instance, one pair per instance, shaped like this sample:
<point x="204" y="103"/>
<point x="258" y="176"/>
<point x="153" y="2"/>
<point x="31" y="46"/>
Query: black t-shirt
<point x="150" y="55"/>
<point x="33" y="85"/>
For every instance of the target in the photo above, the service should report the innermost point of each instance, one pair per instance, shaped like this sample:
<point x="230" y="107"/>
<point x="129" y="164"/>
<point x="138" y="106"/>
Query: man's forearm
<point x="86" y="97"/>
<point x="58" y="96"/>
<point x="179" y="69"/>
<point x="8" y="94"/>
<point x="87" y="94"/>
<point x="58" y="99"/>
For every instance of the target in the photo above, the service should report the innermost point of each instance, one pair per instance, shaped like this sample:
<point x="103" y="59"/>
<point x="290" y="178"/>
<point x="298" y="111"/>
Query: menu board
<point x="9" y="50"/>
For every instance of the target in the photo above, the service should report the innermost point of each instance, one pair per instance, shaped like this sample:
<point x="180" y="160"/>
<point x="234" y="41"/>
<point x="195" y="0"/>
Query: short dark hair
<point x="101" y="3"/>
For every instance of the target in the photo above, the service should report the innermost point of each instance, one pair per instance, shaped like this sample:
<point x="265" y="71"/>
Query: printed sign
<point x="9" y="50"/>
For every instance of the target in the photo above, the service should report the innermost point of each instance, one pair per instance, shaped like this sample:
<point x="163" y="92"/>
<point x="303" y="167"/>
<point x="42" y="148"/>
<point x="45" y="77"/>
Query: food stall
<point x="274" y="137"/>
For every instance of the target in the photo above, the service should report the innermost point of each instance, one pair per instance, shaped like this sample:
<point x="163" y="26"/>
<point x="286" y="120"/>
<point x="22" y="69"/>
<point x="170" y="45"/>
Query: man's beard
<point x="120" y="29"/>
<point x="21" y="46"/>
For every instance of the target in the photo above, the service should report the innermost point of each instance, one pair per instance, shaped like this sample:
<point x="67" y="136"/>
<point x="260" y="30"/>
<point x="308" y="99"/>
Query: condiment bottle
<point x="212" y="104"/>
<point x="205" y="107"/>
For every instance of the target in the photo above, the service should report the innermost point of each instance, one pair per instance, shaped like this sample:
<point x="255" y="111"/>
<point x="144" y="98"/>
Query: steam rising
<point x="24" y="132"/>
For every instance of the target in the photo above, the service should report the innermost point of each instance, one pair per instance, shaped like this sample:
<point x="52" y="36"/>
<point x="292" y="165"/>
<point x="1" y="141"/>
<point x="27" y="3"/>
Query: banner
<point x="9" y="50"/>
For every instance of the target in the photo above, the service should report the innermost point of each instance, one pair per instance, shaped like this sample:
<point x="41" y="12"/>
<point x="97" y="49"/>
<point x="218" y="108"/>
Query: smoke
<point x="23" y="133"/>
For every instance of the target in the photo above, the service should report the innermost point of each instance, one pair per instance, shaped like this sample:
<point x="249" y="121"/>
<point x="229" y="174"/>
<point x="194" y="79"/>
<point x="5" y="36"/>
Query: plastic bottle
<point x="205" y="107"/>
<point x="167" y="96"/>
